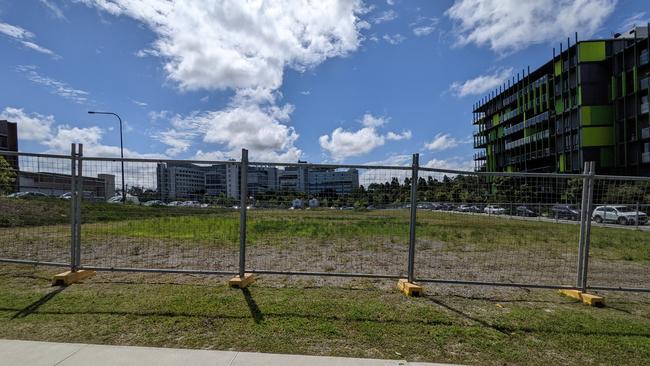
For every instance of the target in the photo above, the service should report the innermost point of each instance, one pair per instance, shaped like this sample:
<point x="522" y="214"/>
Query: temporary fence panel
<point x="327" y="220"/>
<point x="505" y="228"/>
<point x="166" y="220"/>
<point x="619" y="255"/>
<point x="35" y="208"/>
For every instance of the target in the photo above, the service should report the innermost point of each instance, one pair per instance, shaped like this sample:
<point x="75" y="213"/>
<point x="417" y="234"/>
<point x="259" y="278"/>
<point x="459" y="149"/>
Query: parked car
<point x="129" y="199"/>
<point x="494" y="210"/>
<point x="525" y="211"/>
<point x="66" y="196"/>
<point x="464" y="208"/>
<point x="569" y="212"/>
<point x="622" y="215"/>
<point x="154" y="203"/>
<point x="27" y="195"/>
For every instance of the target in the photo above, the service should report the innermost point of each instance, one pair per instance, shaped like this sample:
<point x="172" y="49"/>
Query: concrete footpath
<point x="74" y="354"/>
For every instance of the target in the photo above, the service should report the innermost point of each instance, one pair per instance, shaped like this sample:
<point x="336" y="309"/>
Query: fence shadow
<point x="256" y="313"/>
<point x="38" y="303"/>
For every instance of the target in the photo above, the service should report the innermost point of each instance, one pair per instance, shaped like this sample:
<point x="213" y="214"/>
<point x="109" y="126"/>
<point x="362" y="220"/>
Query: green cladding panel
<point x="597" y="136"/>
<point x="558" y="67"/>
<point x="591" y="51"/>
<point x="596" y="116"/>
<point x="562" y="162"/>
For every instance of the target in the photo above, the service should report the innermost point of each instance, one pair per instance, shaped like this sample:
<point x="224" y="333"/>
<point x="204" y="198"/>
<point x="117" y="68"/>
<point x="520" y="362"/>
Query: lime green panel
<point x="606" y="157"/>
<point x="500" y="132"/>
<point x="509" y="168"/>
<point x="591" y="51"/>
<point x="597" y="136"/>
<point x="559" y="106"/>
<point x="596" y="116"/>
<point x="579" y="95"/>
<point x="562" y="162"/>
<point x="495" y="119"/>
<point x="558" y="67"/>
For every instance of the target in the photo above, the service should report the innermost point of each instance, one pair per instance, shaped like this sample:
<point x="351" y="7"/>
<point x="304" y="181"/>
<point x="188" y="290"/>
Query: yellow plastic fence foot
<point x="409" y="289"/>
<point x="69" y="277"/>
<point x="242" y="282"/>
<point x="587" y="299"/>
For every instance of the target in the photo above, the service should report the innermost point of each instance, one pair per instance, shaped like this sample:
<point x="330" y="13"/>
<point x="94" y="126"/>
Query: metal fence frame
<point x="582" y="266"/>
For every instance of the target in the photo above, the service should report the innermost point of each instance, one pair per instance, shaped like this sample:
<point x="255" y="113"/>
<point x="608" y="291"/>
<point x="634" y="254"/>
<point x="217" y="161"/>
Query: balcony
<point x="643" y="58"/>
<point x="480" y="155"/>
<point x="645" y="108"/>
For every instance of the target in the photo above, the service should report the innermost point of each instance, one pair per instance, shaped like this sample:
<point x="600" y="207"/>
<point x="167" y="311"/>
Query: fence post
<point x="636" y="220"/>
<point x="79" y="195"/>
<point x="412" y="220"/>
<point x="583" y="224"/>
<point x="73" y="206"/>
<point x="590" y="201"/>
<point x="243" y="194"/>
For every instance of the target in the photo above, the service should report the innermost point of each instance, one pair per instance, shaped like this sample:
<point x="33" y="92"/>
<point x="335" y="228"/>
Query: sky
<point x="345" y="81"/>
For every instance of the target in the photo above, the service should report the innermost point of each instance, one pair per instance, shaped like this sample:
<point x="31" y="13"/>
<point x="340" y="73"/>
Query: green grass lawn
<point x="475" y="326"/>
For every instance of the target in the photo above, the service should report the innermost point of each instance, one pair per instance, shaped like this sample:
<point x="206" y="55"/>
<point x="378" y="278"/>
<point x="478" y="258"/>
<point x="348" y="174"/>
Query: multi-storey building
<point x="9" y="141"/>
<point x="191" y="181"/>
<point x="588" y="103"/>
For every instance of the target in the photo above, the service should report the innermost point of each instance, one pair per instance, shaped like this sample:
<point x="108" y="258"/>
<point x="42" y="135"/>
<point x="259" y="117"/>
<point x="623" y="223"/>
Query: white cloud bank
<point x="481" y="84"/>
<point x="342" y="144"/>
<point x="56" y="138"/>
<point x="24" y="37"/>
<point x="511" y="25"/>
<point x="242" y="46"/>
<point x="444" y="141"/>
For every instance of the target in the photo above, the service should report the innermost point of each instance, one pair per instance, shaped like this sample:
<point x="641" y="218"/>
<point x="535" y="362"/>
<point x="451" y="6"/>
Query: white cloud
<point x="24" y="37"/>
<point x="31" y="126"/>
<point x="57" y="138"/>
<point x="205" y="99"/>
<point x="344" y="144"/>
<point x="178" y="141"/>
<point x="390" y="2"/>
<point x="443" y="142"/>
<point x="639" y="20"/>
<point x="139" y="103"/>
<point x="385" y="16"/>
<point x="455" y="163"/>
<point x="394" y="38"/>
<point x="510" y="25"/>
<point x="424" y="26"/>
<point x="481" y="84"/>
<point x="405" y="135"/>
<point x="369" y="120"/>
<point x="243" y="46"/>
<point x="306" y="92"/>
<point x="53" y="8"/>
<point x="56" y="87"/>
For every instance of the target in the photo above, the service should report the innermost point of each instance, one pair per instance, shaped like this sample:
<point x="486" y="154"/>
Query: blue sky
<point x="322" y="81"/>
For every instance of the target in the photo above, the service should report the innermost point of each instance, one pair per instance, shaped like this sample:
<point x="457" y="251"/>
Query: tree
<point x="7" y="177"/>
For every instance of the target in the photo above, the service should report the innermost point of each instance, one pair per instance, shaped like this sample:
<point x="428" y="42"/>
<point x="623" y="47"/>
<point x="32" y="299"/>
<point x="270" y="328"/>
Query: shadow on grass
<point x="256" y="313"/>
<point x="38" y="303"/>
<point x="483" y="323"/>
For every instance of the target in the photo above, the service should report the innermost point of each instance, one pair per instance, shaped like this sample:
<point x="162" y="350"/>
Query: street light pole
<point x="121" y="150"/>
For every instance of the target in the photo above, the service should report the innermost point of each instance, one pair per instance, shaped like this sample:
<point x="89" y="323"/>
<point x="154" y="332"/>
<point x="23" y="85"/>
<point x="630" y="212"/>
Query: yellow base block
<point x="587" y="299"/>
<point x="409" y="289"/>
<point x="68" y="277"/>
<point x="242" y="282"/>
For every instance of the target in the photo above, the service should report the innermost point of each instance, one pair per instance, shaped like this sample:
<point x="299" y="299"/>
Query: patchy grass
<point x="456" y="232"/>
<point x="359" y="319"/>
